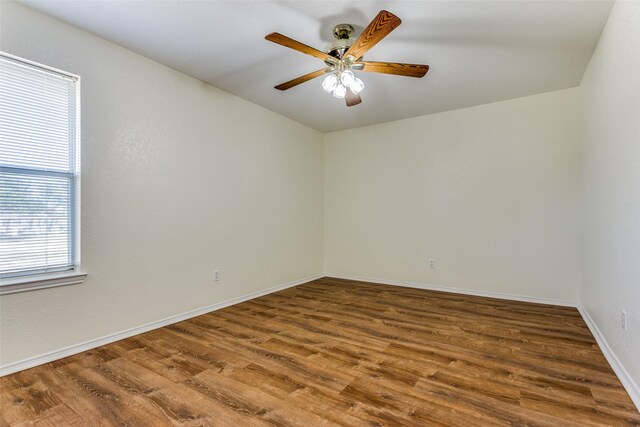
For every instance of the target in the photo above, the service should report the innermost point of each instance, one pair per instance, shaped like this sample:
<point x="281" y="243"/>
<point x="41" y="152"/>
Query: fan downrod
<point x="341" y="43"/>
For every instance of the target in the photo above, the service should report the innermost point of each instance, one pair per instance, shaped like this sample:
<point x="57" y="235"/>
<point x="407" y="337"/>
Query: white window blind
<point x="38" y="169"/>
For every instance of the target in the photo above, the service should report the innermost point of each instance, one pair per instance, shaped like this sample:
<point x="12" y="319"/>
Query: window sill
<point x="41" y="281"/>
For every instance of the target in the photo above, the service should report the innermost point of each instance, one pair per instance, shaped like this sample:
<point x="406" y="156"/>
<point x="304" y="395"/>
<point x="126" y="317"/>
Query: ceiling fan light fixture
<point x="340" y="91"/>
<point x="329" y="83"/>
<point x="357" y="86"/>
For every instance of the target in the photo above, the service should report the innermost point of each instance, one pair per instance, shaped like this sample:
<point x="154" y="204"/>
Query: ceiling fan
<point x="345" y="55"/>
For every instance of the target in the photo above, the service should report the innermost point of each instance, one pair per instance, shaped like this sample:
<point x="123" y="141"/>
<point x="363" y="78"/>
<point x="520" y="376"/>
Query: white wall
<point x="491" y="192"/>
<point x="611" y="185"/>
<point x="178" y="178"/>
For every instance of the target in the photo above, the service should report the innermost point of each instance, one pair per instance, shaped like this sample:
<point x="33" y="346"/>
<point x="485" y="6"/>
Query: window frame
<point x="33" y="281"/>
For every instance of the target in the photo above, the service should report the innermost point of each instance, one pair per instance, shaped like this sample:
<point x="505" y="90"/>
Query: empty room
<point x="318" y="213"/>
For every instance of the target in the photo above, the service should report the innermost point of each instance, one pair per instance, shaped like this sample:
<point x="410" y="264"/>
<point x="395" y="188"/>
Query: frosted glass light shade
<point x="357" y="86"/>
<point x="329" y="83"/>
<point x="340" y="91"/>
<point x="347" y="78"/>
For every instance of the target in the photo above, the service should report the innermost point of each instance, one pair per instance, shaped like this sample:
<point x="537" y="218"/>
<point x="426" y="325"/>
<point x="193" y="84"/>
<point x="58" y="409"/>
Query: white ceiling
<point x="479" y="51"/>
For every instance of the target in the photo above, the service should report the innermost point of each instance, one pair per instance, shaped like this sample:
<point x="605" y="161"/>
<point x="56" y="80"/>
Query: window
<point x="39" y="165"/>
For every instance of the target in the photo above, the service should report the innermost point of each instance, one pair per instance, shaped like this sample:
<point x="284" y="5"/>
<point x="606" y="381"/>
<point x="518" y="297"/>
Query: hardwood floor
<point x="337" y="352"/>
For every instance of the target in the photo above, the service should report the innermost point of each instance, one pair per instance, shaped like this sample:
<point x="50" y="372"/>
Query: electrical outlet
<point x="432" y="263"/>
<point x="216" y="275"/>
<point x="623" y="320"/>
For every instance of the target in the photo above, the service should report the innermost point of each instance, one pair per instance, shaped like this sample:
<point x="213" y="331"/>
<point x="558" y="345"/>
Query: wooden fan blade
<point x="302" y="79"/>
<point x="352" y="98"/>
<point x="296" y="45"/>
<point x="409" y="70"/>
<point x="379" y="28"/>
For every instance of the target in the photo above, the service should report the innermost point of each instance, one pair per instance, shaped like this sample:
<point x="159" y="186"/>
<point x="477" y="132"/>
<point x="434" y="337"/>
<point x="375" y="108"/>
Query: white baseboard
<point x="463" y="291"/>
<point x="88" y="345"/>
<point x="629" y="384"/>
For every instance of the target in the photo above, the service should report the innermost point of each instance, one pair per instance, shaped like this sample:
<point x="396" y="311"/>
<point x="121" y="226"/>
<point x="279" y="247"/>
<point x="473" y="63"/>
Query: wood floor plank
<point x="337" y="352"/>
